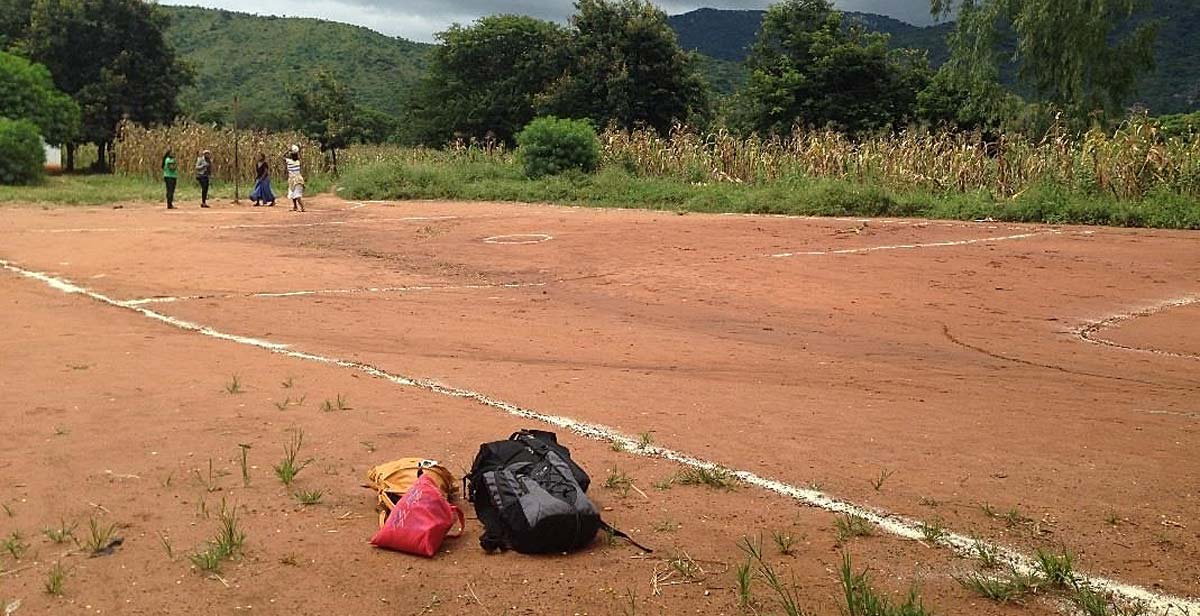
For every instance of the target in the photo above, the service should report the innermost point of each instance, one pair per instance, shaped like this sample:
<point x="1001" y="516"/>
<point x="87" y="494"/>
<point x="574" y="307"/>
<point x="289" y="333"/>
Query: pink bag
<point x="420" y="521"/>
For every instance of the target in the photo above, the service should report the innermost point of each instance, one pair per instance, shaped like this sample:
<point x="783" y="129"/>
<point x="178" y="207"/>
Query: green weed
<point x="1000" y="590"/>
<point x="210" y="481"/>
<point x="785" y="593"/>
<point x="645" y="440"/>
<point x="862" y="599"/>
<point x="848" y="526"/>
<point x="15" y="545"/>
<point x="619" y="481"/>
<point x="989" y="556"/>
<point x="1058" y="569"/>
<point x="100" y="537"/>
<point x="878" y="482"/>
<point x="288" y="468"/>
<point x="713" y="477"/>
<point x="244" y="464"/>
<point x="63" y="533"/>
<point x="55" y="579"/>
<point x="745" y="578"/>
<point x="310" y="497"/>
<point x="234" y="386"/>
<point x="783" y="542"/>
<point x="666" y="526"/>
<point x="932" y="531"/>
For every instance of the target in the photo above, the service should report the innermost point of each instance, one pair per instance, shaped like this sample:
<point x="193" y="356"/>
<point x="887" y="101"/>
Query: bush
<point x="550" y="146"/>
<point x="22" y="159"/>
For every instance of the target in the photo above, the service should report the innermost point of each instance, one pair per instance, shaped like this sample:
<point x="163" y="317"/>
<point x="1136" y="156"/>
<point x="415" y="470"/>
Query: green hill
<point x="1174" y="87"/>
<point x="260" y="58"/>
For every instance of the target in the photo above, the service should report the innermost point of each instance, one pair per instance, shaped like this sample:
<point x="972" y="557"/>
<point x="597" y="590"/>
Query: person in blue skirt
<point x="262" y="183"/>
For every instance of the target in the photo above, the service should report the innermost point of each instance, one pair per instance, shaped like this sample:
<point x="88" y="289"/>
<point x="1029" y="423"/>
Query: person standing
<point x="203" y="174"/>
<point x="170" y="171"/>
<point x="295" y="180"/>
<point x="262" y="183"/>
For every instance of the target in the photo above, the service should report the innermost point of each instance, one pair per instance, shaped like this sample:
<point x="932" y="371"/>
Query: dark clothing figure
<point x="262" y="183"/>
<point x="203" y="173"/>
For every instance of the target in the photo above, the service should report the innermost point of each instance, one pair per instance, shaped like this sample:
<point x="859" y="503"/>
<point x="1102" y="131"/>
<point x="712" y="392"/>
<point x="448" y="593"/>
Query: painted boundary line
<point x="352" y="291"/>
<point x="1164" y="605"/>
<point x="869" y="249"/>
<point x="282" y="225"/>
<point x="1090" y="332"/>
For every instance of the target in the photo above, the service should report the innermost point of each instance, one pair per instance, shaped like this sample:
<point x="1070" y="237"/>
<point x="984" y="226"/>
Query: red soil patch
<point x="956" y="366"/>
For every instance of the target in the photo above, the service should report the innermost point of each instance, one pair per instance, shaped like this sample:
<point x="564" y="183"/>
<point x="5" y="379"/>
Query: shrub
<point x="22" y="159"/>
<point x="550" y="146"/>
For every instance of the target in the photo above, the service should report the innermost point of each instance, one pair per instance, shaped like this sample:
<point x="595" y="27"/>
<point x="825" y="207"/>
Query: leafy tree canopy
<point x="483" y="79"/>
<point x="324" y="110"/>
<point x="110" y="56"/>
<point x="27" y="92"/>
<point x="626" y="68"/>
<point x="807" y="68"/>
<point x="1083" y="58"/>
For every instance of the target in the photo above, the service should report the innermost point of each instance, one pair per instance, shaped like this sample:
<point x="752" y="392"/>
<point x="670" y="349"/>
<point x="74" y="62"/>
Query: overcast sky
<point x="418" y="20"/>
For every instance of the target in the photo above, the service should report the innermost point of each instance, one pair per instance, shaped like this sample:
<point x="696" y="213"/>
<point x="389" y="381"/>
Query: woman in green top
<point x="170" y="176"/>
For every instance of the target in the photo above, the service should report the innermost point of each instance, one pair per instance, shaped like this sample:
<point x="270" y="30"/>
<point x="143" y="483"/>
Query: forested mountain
<point x="1173" y="88"/>
<point x="260" y="58"/>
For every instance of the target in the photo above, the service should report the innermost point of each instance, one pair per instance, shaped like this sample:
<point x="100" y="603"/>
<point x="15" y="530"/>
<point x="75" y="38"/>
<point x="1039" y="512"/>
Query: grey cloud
<point x="420" y="19"/>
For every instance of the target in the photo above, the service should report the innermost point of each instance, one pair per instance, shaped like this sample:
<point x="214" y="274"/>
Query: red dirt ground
<point x="957" y="367"/>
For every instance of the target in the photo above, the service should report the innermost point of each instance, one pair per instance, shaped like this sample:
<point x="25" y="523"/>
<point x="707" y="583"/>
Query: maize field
<point x="1133" y="161"/>
<point x="139" y="150"/>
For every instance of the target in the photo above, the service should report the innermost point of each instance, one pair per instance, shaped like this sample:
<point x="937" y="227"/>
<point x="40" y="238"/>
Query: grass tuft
<point x="288" y="467"/>
<point x="784" y="542"/>
<point x="63" y="533"/>
<point x="15" y="545"/>
<point x="849" y="526"/>
<point x="234" y="386"/>
<point x="100" y="537"/>
<point x="713" y="477"/>
<point x="878" y="482"/>
<point x="1057" y="568"/>
<point x="619" y="481"/>
<point x="785" y="593"/>
<point x="862" y="599"/>
<point x="310" y="497"/>
<point x="55" y="579"/>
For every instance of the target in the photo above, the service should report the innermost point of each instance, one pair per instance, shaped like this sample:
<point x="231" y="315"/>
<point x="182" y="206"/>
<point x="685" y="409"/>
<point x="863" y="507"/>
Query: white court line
<point x="851" y="251"/>
<point x="352" y="291"/>
<point x="1090" y="331"/>
<point x="282" y="225"/>
<point x="513" y="239"/>
<point x="1162" y="604"/>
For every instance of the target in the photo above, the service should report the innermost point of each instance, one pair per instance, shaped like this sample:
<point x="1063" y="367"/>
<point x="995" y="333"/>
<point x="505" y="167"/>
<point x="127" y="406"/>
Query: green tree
<point x="627" y="68"/>
<point x="807" y="67"/>
<point x="325" y="111"/>
<point x="111" y="57"/>
<point x="27" y="92"/>
<point x="1083" y="58"/>
<point x="483" y="79"/>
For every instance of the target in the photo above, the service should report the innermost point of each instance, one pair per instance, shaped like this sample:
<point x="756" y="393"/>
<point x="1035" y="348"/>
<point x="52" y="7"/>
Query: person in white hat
<point x="295" y="180"/>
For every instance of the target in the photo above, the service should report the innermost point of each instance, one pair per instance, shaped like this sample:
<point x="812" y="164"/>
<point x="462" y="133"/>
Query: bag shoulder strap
<point x="616" y="533"/>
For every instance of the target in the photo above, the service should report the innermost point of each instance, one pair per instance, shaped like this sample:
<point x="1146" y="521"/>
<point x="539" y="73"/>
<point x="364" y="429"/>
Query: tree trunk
<point x="101" y="156"/>
<point x="335" y="171"/>
<point x="70" y="165"/>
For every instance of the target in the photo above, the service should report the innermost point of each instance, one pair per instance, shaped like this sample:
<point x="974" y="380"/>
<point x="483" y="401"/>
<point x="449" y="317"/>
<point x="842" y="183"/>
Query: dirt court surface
<point x="1049" y="375"/>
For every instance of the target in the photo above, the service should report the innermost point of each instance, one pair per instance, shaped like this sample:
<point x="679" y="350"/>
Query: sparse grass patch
<point x="713" y="477"/>
<point x="616" y="446"/>
<point x="783" y="542"/>
<point x="988" y="510"/>
<point x="929" y="502"/>
<point x="290" y="560"/>
<point x="663" y="484"/>
<point x="1113" y="518"/>
<point x="64" y="533"/>
<point x="849" y="526"/>
<point x="288" y="383"/>
<point x="1093" y="602"/>
<point x="620" y="482"/>
<point x="234" y="386"/>
<point x="225" y="545"/>
<point x="339" y="403"/>
<point x="745" y="580"/>
<point x="310" y="497"/>
<point x="15" y="545"/>
<point x="999" y="589"/>
<point x="645" y="440"/>
<point x="686" y="567"/>
<point x="1057" y="568"/>
<point x="101" y="537"/>
<point x="862" y="599"/>
<point x="167" y="546"/>
<point x="989" y="556"/>
<point x="932" y="531"/>
<point x="785" y="593"/>
<point x="210" y="481"/>
<point x="55" y="579"/>
<point x="1014" y="518"/>
<point x="666" y="525"/>
<point x="288" y="467"/>
<point x="878" y="482"/>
